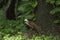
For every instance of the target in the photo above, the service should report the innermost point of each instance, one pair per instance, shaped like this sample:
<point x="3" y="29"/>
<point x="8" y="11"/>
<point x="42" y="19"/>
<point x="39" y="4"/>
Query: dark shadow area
<point x="10" y="14"/>
<point x="3" y="3"/>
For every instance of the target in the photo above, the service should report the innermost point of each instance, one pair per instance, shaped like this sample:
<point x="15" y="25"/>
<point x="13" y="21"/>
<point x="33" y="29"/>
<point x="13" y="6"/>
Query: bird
<point x="32" y="25"/>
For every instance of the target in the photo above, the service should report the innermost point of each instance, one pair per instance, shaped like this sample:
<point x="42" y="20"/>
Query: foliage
<point x="42" y="37"/>
<point x="55" y="10"/>
<point x="23" y="9"/>
<point x="26" y="9"/>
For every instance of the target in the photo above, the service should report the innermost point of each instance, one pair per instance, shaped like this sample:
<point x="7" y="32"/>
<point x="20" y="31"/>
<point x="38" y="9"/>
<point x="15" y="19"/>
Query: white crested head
<point x="26" y="20"/>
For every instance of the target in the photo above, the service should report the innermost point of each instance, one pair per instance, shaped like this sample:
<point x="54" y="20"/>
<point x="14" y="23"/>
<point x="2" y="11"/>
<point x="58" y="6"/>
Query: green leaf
<point x="34" y="4"/>
<point x="29" y="16"/>
<point x="55" y="10"/>
<point x="58" y="2"/>
<point x="50" y="1"/>
<point x="56" y="21"/>
<point x="25" y="7"/>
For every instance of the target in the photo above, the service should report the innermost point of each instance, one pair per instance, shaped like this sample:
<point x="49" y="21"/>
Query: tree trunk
<point x="43" y="18"/>
<point x="10" y="14"/>
<point x="42" y="14"/>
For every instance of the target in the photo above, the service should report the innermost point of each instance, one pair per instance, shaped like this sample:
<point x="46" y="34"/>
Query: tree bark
<point x="43" y="18"/>
<point x="42" y="14"/>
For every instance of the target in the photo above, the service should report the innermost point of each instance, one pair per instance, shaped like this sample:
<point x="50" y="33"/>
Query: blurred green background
<point x="13" y="13"/>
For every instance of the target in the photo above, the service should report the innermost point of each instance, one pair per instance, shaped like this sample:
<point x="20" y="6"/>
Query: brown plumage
<point x="32" y="25"/>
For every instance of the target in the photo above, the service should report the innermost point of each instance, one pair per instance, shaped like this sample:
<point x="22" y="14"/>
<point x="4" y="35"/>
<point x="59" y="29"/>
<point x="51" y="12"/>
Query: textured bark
<point x="42" y="14"/>
<point x="44" y="19"/>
